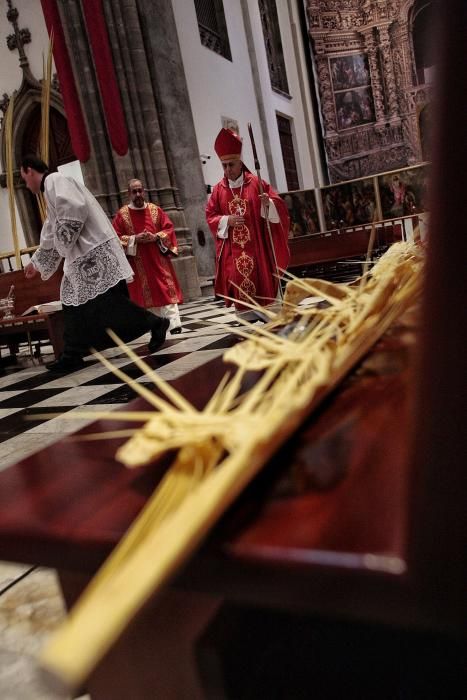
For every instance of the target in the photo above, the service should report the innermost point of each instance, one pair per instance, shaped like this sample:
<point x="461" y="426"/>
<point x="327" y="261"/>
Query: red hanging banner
<point x="113" y="109"/>
<point x="76" y="123"/>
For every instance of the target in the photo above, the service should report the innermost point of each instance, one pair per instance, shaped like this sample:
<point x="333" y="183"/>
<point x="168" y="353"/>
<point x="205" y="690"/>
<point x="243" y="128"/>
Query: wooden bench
<point x="35" y="326"/>
<point x="317" y="254"/>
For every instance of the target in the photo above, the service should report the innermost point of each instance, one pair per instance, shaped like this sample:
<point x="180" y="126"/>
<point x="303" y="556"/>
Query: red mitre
<point x="228" y="145"/>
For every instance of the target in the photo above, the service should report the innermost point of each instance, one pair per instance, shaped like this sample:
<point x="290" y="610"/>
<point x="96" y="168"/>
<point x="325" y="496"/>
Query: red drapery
<point x="76" y="124"/>
<point x="99" y="39"/>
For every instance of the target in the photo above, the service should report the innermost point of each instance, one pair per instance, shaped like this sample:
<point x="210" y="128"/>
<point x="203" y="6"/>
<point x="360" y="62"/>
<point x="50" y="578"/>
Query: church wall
<point x="297" y="105"/>
<point x="220" y="88"/>
<point x="30" y="17"/>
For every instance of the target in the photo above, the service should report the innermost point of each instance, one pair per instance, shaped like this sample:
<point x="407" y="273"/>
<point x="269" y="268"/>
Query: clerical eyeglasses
<point x="137" y="190"/>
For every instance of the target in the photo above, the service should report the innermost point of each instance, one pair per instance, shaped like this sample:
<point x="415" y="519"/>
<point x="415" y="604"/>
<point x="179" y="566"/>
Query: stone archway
<point x="26" y="139"/>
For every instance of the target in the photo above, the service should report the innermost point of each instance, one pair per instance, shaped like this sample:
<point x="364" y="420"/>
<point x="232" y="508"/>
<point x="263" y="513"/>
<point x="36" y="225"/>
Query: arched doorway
<point x="60" y="153"/>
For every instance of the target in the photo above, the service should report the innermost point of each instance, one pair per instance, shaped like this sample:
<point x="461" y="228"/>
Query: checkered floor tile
<point x="28" y="391"/>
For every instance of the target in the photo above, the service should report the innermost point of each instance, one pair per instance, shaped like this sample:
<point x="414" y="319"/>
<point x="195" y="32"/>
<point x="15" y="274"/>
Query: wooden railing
<point x="349" y="242"/>
<point x="8" y="259"/>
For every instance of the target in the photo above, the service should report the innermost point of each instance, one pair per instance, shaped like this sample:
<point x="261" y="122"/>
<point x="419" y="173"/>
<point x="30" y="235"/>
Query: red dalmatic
<point x="155" y="283"/>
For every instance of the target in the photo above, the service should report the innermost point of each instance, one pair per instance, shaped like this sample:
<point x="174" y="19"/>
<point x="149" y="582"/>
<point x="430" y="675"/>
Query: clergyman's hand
<point x="30" y="271"/>
<point x="236" y="220"/>
<point x="146" y="237"/>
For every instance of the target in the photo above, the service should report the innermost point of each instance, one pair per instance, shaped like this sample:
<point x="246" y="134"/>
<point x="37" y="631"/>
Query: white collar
<point x="238" y="182"/>
<point x="132" y="206"/>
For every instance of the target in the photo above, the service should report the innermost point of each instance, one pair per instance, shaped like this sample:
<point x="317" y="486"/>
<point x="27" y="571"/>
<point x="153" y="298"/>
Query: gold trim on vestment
<point x="244" y="263"/>
<point x="138" y="263"/>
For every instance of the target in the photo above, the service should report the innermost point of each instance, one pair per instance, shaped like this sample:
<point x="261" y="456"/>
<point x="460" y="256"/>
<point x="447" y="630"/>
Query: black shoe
<point x="158" y="334"/>
<point x="65" y="365"/>
<point x="176" y="330"/>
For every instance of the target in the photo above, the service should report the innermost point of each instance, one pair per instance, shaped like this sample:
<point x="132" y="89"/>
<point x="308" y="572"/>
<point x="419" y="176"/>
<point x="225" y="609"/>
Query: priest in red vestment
<point x="148" y="237"/>
<point x="246" y="265"/>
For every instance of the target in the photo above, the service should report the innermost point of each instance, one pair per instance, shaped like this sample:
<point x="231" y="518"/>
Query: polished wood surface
<point x="30" y="292"/>
<point x="32" y="328"/>
<point x="36" y="327"/>
<point x="340" y="244"/>
<point x="345" y="469"/>
<point x="324" y="528"/>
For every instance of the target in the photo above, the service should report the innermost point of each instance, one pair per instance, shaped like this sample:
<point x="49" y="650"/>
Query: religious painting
<point x="349" y="72"/>
<point x="404" y="192"/>
<point x="351" y="84"/>
<point x="302" y="211"/>
<point x="354" y="108"/>
<point x="349" y="204"/>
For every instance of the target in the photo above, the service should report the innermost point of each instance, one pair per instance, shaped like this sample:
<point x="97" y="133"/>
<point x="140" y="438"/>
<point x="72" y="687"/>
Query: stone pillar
<point x="326" y="94"/>
<point x="153" y="148"/>
<point x="405" y="79"/>
<point x="146" y="146"/>
<point x="168" y="81"/>
<point x="376" y="80"/>
<point x="99" y="171"/>
<point x="388" y="71"/>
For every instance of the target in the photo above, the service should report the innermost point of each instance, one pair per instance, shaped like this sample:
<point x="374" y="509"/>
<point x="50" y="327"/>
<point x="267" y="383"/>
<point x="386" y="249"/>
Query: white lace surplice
<point x="78" y="230"/>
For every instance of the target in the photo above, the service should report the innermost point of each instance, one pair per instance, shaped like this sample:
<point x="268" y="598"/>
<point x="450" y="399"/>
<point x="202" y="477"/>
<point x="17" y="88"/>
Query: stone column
<point x="151" y="155"/>
<point x="177" y="127"/>
<point x="376" y="80"/>
<point x="405" y="78"/>
<point x="99" y="171"/>
<point x="388" y="71"/>
<point x="326" y="94"/>
<point x="146" y="145"/>
<point x="155" y="146"/>
<point x="403" y="60"/>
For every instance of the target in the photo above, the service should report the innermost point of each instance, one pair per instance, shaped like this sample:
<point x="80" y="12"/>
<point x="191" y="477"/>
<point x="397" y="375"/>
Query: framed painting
<point x="354" y="108"/>
<point x="403" y="192"/>
<point x="302" y="211"/>
<point x="348" y="72"/>
<point x="353" y="96"/>
<point x="349" y="204"/>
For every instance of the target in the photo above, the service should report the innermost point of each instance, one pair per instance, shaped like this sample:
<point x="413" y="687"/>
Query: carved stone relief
<point x="379" y="31"/>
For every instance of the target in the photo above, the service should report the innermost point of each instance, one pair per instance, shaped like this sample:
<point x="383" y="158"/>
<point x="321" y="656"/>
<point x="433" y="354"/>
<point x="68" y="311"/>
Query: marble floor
<point x="31" y="605"/>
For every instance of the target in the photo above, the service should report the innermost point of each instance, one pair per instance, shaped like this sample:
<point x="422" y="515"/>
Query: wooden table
<point x="27" y="294"/>
<point x="326" y="529"/>
<point x="34" y="327"/>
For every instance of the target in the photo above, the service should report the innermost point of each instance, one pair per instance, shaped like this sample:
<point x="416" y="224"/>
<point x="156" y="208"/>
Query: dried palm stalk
<point x="45" y="120"/>
<point x="224" y="446"/>
<point x="10" y="179"/>
<point x="45" y="102"/>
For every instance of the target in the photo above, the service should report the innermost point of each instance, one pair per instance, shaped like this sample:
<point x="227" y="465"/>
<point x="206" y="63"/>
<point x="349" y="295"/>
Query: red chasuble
<point x="245" y="260"/>
<point x="155" y="282"/>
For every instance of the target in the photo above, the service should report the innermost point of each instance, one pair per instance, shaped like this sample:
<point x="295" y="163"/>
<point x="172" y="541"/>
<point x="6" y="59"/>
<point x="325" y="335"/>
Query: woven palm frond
<point x="222" y="447"/>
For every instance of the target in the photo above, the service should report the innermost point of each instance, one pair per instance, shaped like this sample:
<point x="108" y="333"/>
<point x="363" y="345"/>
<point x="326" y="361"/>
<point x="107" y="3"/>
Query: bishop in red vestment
<point x="236" y="214"/>
<point x="148" y="237"/>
